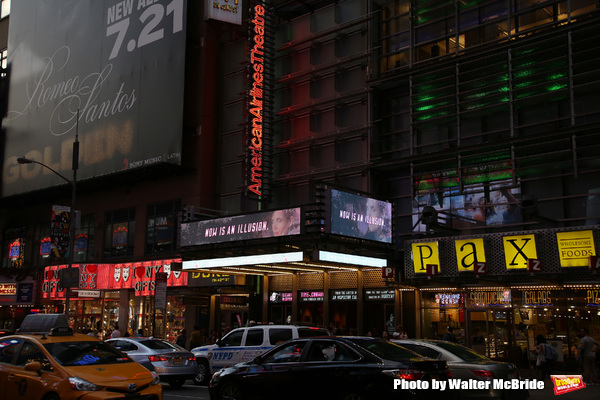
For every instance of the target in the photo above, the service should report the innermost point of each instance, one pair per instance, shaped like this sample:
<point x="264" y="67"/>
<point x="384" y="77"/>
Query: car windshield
<point x="71" y="354"/>
<point x="159" y="345"/>
<point x="464" y="353"/>
<point x="386" y="350"/>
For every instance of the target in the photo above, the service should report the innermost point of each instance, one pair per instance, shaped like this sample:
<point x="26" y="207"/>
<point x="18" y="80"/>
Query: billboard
<point x="360" y="217"/>
<point x="242" y="227"/>
<point x="111" y="71"/>
<point x="224" y="10"/>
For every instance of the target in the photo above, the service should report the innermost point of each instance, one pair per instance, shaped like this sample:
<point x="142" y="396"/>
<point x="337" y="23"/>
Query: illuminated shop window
<point x="161" y="229"/>
<point x="5" y="8"/>
<point x="119" y="233"/>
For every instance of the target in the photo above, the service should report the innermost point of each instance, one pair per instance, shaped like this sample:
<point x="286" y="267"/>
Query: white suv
<point x="245" y="344"/>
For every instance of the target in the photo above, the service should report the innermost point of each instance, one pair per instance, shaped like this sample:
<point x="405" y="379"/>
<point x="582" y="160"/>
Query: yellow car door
<point x="25" y="383"/>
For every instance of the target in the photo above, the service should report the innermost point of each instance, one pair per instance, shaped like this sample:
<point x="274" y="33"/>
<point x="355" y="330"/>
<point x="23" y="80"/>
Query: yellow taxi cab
<point x="45" y="360"/>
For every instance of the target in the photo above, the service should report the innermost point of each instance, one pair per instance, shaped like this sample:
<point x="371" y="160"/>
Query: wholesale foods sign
<point x="112" y="71"/>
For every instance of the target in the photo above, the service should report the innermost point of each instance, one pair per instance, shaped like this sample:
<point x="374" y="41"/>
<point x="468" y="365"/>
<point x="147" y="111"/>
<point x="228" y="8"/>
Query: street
<point x="187" y="391"/>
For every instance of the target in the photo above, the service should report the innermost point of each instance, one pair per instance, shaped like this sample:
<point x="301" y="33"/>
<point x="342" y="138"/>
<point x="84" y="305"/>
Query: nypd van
<point x="245" y="344"/>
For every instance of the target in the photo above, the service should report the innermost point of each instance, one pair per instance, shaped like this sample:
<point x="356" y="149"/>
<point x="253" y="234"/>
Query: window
<point x="31" y="353"/>
<point x="84" y="242"/>
<point x="279" y="335"/>
<point x="161" y="232"/>
<point x="289" y="353"/>
<point x="254" y="337"/>
<point x="5" y="10"/>
<point x="233" y="339"/>
<point x="8" y="349"/>
<point x="422" y="350"/>
<point x="3" y="62"/>
<point x="119" y="233"/>
<point x="14" y="248"/>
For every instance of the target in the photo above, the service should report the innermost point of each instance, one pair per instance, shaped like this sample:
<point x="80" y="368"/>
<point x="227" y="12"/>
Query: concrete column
<point x="326" y="299"/>
<point x="360" y="304"/>
<point x="265" y="300"/>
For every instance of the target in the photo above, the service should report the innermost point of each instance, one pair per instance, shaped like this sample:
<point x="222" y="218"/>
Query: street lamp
<point x="71" y="248"/>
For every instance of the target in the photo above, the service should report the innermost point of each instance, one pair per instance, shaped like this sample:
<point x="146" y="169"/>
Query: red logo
<point x="567" y="383"/>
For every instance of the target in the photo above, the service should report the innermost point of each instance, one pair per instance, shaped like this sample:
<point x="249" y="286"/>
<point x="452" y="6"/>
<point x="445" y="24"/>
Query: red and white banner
<point x="139" y="276"/>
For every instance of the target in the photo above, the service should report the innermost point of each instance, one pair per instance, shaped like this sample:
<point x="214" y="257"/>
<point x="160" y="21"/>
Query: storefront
<point x="120" y="294"/>
<point x="16" y="301"/>
<point x="504" y="322"/>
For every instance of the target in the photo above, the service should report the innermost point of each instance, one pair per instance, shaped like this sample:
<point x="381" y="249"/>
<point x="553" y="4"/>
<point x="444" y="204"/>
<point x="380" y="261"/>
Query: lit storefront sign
<point x="257" y="65"/>
<point x="379" y="294"/>
<point x="312" y="296"/>
<point x="538" y="297"/>
<point x="424" y="254"/>
<point x="343" y="295"/>
<point x="280" y="297"/>
<point x="243" y="260"/>
<point x="593" y="297"/>
<point x="469" y="252"/>
<point x="448" y="299"/>
<point x="575" y="248"/>
<point x="8" y="289"/>
<point x="487" y="298"/>
<point x="343" y="258"/>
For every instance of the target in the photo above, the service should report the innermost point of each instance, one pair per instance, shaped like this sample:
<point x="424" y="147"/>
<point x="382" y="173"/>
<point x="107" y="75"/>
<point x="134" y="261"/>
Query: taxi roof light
<point x="53" y="324"/>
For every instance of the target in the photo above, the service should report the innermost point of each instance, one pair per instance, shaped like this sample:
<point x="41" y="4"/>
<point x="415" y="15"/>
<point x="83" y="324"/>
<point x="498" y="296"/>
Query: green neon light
<point x="431" y="106"/>
<point x="429" y="116"/>
<point x="556" y="86"/>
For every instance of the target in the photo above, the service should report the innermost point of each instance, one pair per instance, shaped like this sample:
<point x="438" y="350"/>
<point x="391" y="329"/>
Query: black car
<point x="333" y="368"/>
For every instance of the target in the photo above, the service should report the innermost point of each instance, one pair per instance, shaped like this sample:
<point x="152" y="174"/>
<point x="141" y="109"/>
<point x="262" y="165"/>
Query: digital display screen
<point x="360" y="217"/>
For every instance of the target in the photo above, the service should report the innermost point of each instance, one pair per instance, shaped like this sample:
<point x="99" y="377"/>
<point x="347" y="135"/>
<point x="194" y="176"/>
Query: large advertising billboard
<point x="110" y="71"/>
<point x="242" y="227"/>
<point x="360" y="217"/>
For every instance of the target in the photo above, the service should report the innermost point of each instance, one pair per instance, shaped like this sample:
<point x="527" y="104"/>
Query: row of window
<point x="119" y="233"/>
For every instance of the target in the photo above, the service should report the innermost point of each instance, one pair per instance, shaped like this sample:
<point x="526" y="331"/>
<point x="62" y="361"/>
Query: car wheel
<point x="202" y="373"/>
<point x="176" y="383"/>
<point x="230" y="391"/>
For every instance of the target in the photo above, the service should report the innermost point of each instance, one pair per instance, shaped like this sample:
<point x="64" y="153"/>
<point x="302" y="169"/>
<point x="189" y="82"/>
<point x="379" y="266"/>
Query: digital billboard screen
<point x="110" y="71"/>
<point x="360" y="217"/>
<point x="242" y="227"/>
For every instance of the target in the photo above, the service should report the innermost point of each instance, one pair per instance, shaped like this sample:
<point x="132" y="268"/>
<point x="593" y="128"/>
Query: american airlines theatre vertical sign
<point x="113" y="71"/>
<point x="256" y="139"/>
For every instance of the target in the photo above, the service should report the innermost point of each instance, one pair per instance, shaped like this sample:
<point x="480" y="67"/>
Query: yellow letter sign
<point x="518" y="249"/>
<point x="468" y="252"/>
<point x="423" y="254"/>
<point x="575" y="248"/>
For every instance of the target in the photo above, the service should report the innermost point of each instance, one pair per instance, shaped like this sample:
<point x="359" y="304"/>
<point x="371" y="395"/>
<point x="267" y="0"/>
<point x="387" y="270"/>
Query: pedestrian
<point x="181" y="339"/>
<point x="197" y="338"/>
<point x="449" y="336"/>
<point x="116" y="332"/>
<point x="385" y="335"/>
<point x="140" y="333"/>
<point x="543" y="361"/>
<point x="400" y="334"/>
<point x="588" y="347"/>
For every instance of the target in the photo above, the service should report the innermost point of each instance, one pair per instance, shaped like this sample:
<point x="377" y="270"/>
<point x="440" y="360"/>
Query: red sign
<point x="387" y="272"/>
<point x="480" y="268"/>
<point x="534" y="265"/>
<point x="567" y="383"/>
<point x="432" y="269"/>
<point x="139" y="276"/>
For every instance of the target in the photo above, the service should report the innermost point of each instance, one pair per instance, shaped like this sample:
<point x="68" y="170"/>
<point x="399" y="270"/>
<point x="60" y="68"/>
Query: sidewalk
<point x="587" y="393"/>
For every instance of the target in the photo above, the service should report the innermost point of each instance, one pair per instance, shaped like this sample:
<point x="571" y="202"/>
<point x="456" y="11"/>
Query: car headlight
<point x="155" y="378"/>
<point x="81" y="384"/>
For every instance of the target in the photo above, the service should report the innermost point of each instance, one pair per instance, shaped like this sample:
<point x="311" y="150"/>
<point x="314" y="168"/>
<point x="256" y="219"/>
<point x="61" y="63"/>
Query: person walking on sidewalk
<point x="587" y="346"/>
